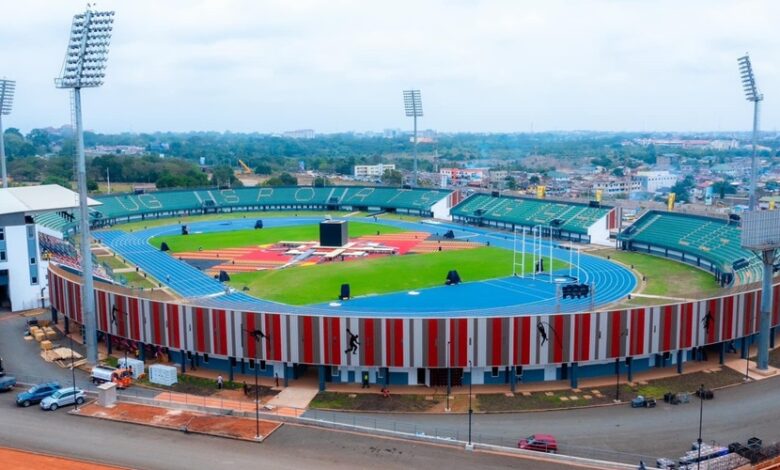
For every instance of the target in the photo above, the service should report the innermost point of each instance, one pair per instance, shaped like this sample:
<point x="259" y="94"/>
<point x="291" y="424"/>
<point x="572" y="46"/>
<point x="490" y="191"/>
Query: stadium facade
<point x="411" y="348"/>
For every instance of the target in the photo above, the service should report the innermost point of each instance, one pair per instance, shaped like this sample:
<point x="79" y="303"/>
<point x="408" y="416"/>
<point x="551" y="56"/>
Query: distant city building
<point x="392" y="133"/>
<point x="464" y="176"/>
<point x="498" y="175"/>
<point x="617" y="187"/>
<point x="667" y="161"/>
<point x="725" y="169"/>
<point x="652" y="181"/>
<point x="300" y="134"/>
<point x="99" y="150"/>
<point x="689" y="143"/>
<point x="372" y="171"/>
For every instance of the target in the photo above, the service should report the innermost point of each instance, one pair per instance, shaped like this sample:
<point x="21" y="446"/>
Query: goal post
<point x="518" y="262"/>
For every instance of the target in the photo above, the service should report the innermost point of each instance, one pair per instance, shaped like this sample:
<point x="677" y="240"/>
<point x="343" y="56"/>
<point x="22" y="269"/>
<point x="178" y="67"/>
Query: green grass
<point x="665" y="277"/>
<point x="372" y="402"/>
<point x="251" y="237"/>
<point x="319" y="283"/>
<point x="148" y="223"/>
<point x="136" y="280"/>
<point x="112" y="261"/>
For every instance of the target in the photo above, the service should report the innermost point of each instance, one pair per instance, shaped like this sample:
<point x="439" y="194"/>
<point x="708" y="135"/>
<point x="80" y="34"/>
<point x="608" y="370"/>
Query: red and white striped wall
<point x="412" y="342"/>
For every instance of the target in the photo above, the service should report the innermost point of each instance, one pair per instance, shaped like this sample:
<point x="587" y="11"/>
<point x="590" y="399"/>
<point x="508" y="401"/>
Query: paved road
<point x="618" y="432"/>
<point x="22" y="358"/>
<point x="290" y="447"/>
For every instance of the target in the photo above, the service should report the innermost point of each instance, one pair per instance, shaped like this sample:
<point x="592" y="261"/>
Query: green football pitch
<point x="252" y="237"/>
<point x="320" y="283"/>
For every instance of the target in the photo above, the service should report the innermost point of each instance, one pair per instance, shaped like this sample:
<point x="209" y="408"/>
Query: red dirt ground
<point x="224" y="426"/>
<point x="23" y="460"/>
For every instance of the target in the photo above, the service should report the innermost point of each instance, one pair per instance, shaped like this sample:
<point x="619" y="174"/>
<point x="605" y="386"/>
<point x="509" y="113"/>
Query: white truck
<point x="102" y="374"/>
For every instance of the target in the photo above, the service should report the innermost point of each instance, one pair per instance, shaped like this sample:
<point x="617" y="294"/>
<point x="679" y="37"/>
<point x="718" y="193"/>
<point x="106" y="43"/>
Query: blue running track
<point x="511" y="295"/>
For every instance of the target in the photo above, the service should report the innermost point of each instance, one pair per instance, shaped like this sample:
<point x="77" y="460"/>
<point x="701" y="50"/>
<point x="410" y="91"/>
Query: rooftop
<point x="32" y="199"/>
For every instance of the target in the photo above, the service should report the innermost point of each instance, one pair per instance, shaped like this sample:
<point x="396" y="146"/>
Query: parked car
<point x="7" y="382"/>
<point x="63" y="397"/>
<point x="36" y="393"/>
<point x="642" y="402"/>
<point x="539" y="443"/>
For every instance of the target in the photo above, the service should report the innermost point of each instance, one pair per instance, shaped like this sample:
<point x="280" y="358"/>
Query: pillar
<point x="512" y="378"/>
<point x="109" y="345"/>
<point x="183" y="360"/>
<point x="67" y="325"/>
<point x="722" y="353"/>
<point x="286" y="375"/>
<point x="231" y="361"/>
<point x="680" y="361"/>
<point x="573" y="375"/>
<point x="54" y="315"/>
<point x="141" y="351"/>
<point x="745" y="348"/>
<point x="321" y="374"/>
<point x="764" y="332"/>
<point x="630" y="369"/>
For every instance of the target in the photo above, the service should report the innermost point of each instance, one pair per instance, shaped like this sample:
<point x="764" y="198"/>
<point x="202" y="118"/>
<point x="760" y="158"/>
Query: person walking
<point x="220" y="382"/>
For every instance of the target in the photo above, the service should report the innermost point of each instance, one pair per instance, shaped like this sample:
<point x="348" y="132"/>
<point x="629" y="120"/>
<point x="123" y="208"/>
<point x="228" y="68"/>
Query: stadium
<point x="422" y="287"/>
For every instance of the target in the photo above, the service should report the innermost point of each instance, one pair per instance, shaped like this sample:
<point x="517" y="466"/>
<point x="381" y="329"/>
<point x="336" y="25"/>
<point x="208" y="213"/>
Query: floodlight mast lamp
<point x="751" y="94"/>
<point x="85" y="67"/>
<point x="413" y="108"/>
<point x="7" y="88"/>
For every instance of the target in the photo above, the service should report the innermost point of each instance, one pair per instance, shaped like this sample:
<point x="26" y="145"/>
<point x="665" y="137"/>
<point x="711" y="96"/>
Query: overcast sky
<point x="339" y="65"/>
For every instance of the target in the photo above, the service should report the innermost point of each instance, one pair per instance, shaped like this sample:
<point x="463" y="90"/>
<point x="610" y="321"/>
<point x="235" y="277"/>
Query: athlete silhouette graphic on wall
<point x="353" y="343"/>
<point x="542" y="333"/>
<point x="706" y="321"/>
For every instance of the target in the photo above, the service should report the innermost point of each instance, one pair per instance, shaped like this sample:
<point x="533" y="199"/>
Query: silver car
<point x="63" y="397"/>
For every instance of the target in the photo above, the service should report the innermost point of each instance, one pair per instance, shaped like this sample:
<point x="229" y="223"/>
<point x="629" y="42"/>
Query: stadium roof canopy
<point x="31" y="199"/>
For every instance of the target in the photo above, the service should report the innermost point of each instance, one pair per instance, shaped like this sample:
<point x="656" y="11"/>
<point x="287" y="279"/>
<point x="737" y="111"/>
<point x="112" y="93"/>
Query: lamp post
<point x="617" y="370"/>
<point x="85" y="66"/>
<point x="257" y="335"/>
<point x="125" y="315"/>
<point x="413" y="108"/>
<point x="73" y="372"/>
<point x="471" y="411"/>
<point x="751" y="94"/>
<point x="701" y="415"/>
<point x="7" y="88"/>
<point x="449" y="383"/>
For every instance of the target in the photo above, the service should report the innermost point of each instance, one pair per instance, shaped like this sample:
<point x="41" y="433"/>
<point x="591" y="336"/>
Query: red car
<point x="539" y="443"/>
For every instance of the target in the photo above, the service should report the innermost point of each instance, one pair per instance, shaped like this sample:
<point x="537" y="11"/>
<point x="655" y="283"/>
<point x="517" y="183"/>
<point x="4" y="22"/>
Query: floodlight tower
<point x="6" y="103"/>
<point x="85" y="67"/>
<point x="413" y="107"/>
<point x="751" y="94"/>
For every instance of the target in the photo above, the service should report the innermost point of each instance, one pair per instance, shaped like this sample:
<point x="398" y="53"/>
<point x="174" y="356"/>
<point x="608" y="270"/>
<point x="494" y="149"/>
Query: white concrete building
<point x="23" y="283"/>
<point x="652" y="181"/>
<point x="617" y="186"/>
<point x="372" y="171"/>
